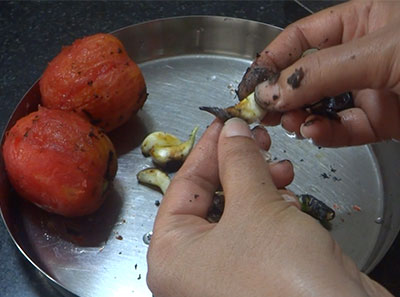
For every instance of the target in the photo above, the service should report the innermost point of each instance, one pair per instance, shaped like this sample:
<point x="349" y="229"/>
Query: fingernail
<point x="283" y="161"/>
<point x="261" y="127"/>
<point x="257" y="129"/>
<point x="306" y="124"/>
<point x="289" y="198"/>
<point x="236" y="127"/>
<point x="309" y="123"/>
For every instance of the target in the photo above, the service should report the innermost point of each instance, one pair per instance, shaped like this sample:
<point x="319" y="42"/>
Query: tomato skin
<point x="59" y="161"/>
<point x="95" y="77"/>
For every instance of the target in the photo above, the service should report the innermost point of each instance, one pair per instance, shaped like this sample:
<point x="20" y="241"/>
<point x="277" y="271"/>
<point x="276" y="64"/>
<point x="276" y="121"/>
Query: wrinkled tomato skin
<point x="95" y="77"/>
<point x="59" y="161"/>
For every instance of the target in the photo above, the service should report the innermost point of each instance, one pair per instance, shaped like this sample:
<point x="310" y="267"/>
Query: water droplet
<point x="46" y="236"/>
<point x="147" y="237"/>
<point x="291" y="134"/>
<point x="379" y="220"/>
<point x="310" y="140"/>
<point x="213" y="77"/>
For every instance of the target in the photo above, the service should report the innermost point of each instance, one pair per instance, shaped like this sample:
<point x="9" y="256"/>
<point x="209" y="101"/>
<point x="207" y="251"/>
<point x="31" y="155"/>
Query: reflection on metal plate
<point x="188" y="62"/>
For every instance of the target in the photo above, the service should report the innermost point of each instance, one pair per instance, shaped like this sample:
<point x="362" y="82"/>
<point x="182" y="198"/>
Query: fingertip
<point x="236" y="127"/>
<point x="282" y="173"/>
<point x="314" y="127"/>
<point x="261" y="137"/>
<point x="291" y="121"/>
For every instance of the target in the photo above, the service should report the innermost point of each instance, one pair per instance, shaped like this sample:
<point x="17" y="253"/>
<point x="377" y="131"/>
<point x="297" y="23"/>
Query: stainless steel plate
<point x="188" y="62"/>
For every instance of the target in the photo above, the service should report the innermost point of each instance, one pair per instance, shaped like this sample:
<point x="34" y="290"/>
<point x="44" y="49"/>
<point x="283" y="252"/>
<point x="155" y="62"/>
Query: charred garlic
<point x="308" y="203"/>
<point x="247" y="109"/>
<point x="316" y="208"/>
<point x="154" y="177"/>
<point x="165" y="148"/>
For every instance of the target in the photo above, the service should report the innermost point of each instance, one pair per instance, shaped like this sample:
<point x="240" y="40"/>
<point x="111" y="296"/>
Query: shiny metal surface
<point x="188" y="62"/>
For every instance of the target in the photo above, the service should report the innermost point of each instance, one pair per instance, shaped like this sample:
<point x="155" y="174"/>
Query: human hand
<point x="262" y="246"/>
<point x="359" y="51"/>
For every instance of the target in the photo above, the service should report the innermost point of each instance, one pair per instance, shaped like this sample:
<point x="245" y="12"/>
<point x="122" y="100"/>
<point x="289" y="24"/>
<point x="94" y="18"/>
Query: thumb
<point x="367" y="62"/>
<point x="244" y="173"/>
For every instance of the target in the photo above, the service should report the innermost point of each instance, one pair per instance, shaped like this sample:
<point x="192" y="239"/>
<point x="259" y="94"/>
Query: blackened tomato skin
<point x="59" y="161"/>
<point x="95" y="77"/>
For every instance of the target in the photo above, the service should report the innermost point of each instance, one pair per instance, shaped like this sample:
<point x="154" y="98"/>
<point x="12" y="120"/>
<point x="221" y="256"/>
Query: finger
<point x="353" y="128"/>
<point x="244" y="174"/>
<point x="272" y="119"/>
<point x="192" y="188"/>
<point x="292" y="120"/>
<point x="383" y="111"/>
<point x="319" y="30"/>
<point x="375" y="118"/>
<point x="282" y="173"/>
<point x="326" y="28"/>
<point x="335" y="70"/>
<point x="261" y="137"/>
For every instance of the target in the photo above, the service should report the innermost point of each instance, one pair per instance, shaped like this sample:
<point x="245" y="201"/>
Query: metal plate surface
<point x="188" y="62"/>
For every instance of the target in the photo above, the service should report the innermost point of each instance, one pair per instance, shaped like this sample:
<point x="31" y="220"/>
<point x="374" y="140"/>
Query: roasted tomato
<point x="59" y="161"/>
<point x="95" y="77"/>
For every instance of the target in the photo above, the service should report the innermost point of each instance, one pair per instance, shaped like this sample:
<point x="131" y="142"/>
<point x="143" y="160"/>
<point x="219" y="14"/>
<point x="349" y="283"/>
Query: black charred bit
<point x="218" y="112"/>
<point x="216" y="209"/>
<point x="93" y="135"/>
<point x="109" y="161"/>
<point x="91" y="118"/>
<point x="253" y="77"/>
<point x="295" y="79"/>
<point x="330" y="106"/>
<point x="316" y="208"/>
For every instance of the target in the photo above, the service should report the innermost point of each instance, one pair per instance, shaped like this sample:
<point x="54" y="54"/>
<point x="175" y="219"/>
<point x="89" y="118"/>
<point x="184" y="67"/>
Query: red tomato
<point x="59" y="161"/>
<point x="95" y="77"/>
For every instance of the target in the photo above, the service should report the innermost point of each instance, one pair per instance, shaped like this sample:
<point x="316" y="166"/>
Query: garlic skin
<point x="248" y="110"/>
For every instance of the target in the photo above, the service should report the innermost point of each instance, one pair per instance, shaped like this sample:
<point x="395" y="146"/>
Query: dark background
<point x="32" y="33"/>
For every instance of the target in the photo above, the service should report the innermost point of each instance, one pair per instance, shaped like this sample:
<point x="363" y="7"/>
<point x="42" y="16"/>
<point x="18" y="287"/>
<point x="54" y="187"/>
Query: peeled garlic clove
<point x="247" y="109"/>
<point x="158" y="138"/>
<point x="162" y="155"/>
<point x="154" y="177"/>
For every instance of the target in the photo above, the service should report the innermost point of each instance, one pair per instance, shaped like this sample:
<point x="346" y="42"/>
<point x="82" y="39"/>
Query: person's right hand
<point x="359" y="44"/>
<point x="263" y="244"/>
